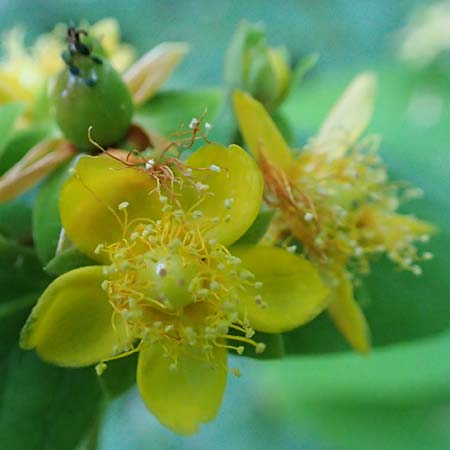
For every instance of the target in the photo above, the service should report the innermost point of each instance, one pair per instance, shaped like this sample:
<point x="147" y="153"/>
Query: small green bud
<point x="90" y="93"/>
<point x="255" y="67"/>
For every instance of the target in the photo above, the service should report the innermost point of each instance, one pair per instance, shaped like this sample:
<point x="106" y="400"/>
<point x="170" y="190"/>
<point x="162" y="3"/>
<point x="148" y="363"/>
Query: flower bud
<point x="255" y="67"/>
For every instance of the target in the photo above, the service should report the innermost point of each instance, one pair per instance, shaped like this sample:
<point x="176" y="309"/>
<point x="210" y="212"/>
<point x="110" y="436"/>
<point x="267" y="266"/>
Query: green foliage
<point x="46" y="221"/>
<point x="396" y="398"/>
<point x="171" y="111"/>
<point x="15" y="218"/>
<point x="119" y="376"/>
<point x="9" y="113"/>
<point x="43" y="406"/>
<point x="66" y="260"/>
<point x="259" y="227"/>
<point x="20" y="270"/>
<point x="19" y="142"/>
<point x="37" y="400"/>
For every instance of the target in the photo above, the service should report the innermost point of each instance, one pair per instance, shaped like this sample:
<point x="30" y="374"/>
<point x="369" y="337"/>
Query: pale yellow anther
<point x="228" y="203"/>
<point x="260" y="347"/>
<point x="236" y="372"/>
<point x="100" y="368"/>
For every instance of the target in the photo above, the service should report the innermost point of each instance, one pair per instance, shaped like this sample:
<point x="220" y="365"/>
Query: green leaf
<point x="258" y="229"/>
<point x="13" y="314"/>
<point x="20" y="270"/>
<point x="15" y="218"/>
<point x="20" y="142"/>
<point x="9" y="113"/>
<point x="45" y="407"/>
<point x="399" y="306"/>
<point x="274" y="346"/>
<point x="171" y="111"/>
<point x="67" y="260"/>
<point x="46" y="220"/>
<point x="402" y="391"/>
<point x="119" y="376"/>
<point x="305" y="65"/>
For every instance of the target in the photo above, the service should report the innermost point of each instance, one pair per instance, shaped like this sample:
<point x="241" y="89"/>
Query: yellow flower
<point x="169" y="287"/>
<point x="24" y="71"/>
<point x="334" y="199"/>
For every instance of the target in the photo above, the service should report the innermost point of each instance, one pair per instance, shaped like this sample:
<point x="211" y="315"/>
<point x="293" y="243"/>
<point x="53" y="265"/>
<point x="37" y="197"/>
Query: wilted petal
<point x="145" y="77"/>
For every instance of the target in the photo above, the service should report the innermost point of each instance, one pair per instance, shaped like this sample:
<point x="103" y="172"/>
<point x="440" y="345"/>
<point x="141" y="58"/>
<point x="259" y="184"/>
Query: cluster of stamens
<point x="342" y="210"/>
<point x="170" y="285"/>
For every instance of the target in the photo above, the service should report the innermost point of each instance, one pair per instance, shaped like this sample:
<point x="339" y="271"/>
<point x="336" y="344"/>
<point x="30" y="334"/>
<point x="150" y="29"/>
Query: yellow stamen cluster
<point x="172" y="286"/>
<point x="343" y="210"/>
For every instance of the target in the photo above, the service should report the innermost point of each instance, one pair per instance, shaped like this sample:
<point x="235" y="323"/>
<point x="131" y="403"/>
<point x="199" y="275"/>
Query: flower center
<point x="342" y="211"/>
<point x="172" y="286"/>
<point x="171" y="279"/>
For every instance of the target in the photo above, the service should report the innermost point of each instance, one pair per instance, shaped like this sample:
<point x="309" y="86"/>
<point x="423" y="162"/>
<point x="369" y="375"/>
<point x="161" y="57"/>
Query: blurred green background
<point x="398" y="397"/>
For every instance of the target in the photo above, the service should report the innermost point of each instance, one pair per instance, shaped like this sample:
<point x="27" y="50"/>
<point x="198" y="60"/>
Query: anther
<point x="123" y="205"/>
<point x="194" y="123"/>
<point x="215" y="168"/>
<point x="197" y="214"/>
<point x="249" y="333"/>
<point x="214" y="286"/>
<point x="149" y="164"/>
<point x="100" y="368"/>
<point x="201" y="186"/>
<point x="228" y="203"/>
<point x="99" y="249"/>
<point x="260" y="347"/>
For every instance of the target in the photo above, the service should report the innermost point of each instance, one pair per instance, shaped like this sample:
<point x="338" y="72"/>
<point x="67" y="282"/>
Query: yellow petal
<point x="348" y="118"/>
<point x="183" y="398"/>
<point x="348" y="317"/>
<point x="101" y="198"/>
<point x="392" y="230"/>
<point x="260" y="132"/>
<point x="11" y="90"/>
<point x="71" y="325"/>
<point x="146" y="76"/>
<point x="236" y="185"/>
<point x="292" y="290"/>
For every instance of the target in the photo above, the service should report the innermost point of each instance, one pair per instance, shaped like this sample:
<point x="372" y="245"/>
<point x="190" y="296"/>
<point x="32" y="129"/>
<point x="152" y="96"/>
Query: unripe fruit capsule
<point x="90" y="93"/>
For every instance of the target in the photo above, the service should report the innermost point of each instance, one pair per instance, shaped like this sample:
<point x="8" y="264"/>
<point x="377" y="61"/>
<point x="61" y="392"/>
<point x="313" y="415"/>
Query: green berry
<point x="90" y="93"/>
